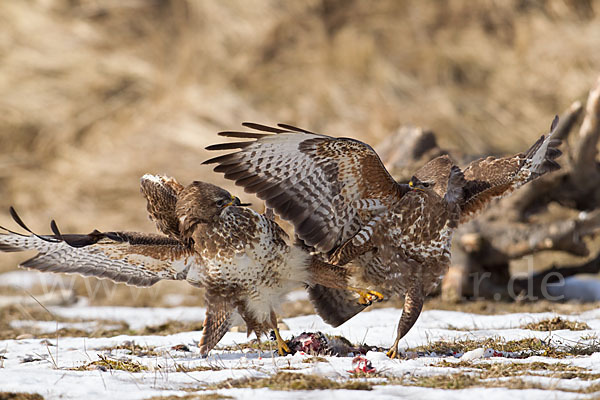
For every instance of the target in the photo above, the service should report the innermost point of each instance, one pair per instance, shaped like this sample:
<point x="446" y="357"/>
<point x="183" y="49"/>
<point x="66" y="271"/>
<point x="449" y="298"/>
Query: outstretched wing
<point x="133" y="258"/>
<point x="317" y="182"/>
<point x="161" y="193"/>
<point x="492" y="178"/>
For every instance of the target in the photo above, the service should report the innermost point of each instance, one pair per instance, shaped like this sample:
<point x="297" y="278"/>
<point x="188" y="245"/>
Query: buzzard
<point x="209" y="239"/>
<point x="345" y="206"/>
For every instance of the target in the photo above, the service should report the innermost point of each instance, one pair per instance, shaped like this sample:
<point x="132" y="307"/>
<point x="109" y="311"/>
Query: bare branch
<point x="585" y="171"/>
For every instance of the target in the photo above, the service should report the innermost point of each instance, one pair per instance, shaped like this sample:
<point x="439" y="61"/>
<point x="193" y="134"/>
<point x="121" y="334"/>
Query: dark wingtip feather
<point x="19" y="221"/>
<point x="55" y="229"/>
<point x="228" y="146"/>
<point x="550" y="165"/>
<point x="224" y="159"/>
<point x="11" y="231"/>
<point x="531" y="151"/>
<point x="554" y="124"/>
<point x="553" y="153"/>
<point x="242" y="135"/>
<point x="554" y="142"/>
<point x="263" y="128"/>
<point x="294" y="128"/>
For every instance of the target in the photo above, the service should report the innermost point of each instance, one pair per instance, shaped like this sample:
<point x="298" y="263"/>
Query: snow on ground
<point x="48" y="366"/>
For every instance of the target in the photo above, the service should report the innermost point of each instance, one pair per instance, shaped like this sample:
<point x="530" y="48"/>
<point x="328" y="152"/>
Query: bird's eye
<point x="425" y="184"/>
<point x="221" y="203"/>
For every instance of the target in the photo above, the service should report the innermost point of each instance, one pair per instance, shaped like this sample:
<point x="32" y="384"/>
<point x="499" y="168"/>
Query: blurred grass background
<point x="93" y="94"/>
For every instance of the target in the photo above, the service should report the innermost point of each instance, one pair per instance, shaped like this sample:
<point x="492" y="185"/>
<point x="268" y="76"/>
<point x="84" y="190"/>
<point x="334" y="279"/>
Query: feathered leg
<point x="332" y="276"/>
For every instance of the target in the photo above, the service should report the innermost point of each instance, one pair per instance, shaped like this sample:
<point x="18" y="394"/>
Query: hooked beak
<point x="412" y="186"/>
<point x="235" y="201"/>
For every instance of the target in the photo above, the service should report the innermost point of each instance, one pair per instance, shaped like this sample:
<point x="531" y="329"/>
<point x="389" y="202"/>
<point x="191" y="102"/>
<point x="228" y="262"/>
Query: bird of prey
<point x="209" y="239"/>
<point x="345" y="205"/>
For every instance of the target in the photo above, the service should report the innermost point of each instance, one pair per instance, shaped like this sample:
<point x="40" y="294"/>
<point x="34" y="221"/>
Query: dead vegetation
<point x="106" y="363"/>
<point x="487" y="370"/>
<point x="37" y="313"/>
<point x="206" y="396"/>
<point x="20" y="396"/>
<point x="523" y="348"/>
<point x="294" y="381"/>
<point x="556" y="324"/>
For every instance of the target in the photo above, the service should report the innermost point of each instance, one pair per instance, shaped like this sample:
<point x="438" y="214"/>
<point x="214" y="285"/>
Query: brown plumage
<point x="344" y="204"/>
<point x="240" y="257"/>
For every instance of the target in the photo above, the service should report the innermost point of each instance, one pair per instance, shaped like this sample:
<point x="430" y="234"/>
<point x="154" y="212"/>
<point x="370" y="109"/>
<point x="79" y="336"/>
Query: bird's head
<point x="433" y="176"/>
<point x="417" y="184"/>
<point x="201" y="202"/>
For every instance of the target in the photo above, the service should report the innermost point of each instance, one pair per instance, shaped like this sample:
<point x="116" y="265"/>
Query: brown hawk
<point x="240" y="257"/>
<point x="344" y="204"/>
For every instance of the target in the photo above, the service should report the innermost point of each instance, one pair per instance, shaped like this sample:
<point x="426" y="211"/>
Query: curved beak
<point x="235" y="201"/>
<point x="411" y="184"/>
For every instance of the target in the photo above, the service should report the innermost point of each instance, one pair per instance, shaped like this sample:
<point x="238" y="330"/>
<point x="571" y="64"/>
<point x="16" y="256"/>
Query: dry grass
<point x="20" y="396"/>
<point x="294" y="381"/>
<point x="556" y="324"/>
<point x="105" y="363"/>
<point x="209" y="396"/>
<point x="522" y="348"/>
<point x="488" y="370"/>
<point x="17" y="312"/>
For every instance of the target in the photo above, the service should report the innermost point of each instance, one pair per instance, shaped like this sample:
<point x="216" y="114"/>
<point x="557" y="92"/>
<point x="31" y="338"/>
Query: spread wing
<point x="492" y="178"/>
<point x="317" y="182"/>
<point x="133" y="258"/>
<point x="161" y="194"/>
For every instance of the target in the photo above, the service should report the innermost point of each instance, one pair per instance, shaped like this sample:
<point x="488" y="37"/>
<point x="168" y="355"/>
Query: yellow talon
<point x="282" y="347"/>
<point x="367" y="296"/>
<point x="392" y="353"/>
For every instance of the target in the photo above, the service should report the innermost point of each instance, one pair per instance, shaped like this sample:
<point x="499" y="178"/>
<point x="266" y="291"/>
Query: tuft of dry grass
<point x="312" y="360"/>
<point x="20" y="396"/>
<point x="134" y="349"/>
<point x="294" y="381"/>
<point x="204" y="396"/>
<point x="105" y="363"/>
<point x="556" y="324"/>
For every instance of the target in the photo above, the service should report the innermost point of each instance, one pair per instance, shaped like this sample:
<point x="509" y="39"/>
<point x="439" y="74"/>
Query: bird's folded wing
<point x="161" y="193"/>
<point x="132" y="258"/>
<point x="311" y="180"/>
<point x="490" y="178"/>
